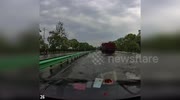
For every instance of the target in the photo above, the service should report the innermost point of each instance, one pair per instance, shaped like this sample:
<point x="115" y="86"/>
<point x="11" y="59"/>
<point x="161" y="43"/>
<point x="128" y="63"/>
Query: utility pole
<point x="139" y="31"/>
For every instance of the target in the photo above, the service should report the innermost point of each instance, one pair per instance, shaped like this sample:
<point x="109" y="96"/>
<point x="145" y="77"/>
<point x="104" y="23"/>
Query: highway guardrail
<point x="57" y="60"/>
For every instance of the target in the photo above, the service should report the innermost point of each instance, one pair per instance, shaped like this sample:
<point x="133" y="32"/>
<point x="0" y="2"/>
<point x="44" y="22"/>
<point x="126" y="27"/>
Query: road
<point x="97" y="64"/>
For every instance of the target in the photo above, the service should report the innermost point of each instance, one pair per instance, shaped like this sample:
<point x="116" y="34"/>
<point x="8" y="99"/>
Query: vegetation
<point x="130" y="43"/>
<point x="58" y="41"/>
<point x="42" y="44"/>
<point x="163" y="42"/>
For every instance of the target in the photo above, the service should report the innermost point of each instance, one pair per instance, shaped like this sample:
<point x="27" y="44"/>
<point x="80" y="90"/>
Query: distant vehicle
<point x="108" y="48"/>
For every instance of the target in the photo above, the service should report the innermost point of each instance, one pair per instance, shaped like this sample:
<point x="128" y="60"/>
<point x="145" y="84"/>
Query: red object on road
<point x="108" y="81"/>
<point x="108" y="48"/>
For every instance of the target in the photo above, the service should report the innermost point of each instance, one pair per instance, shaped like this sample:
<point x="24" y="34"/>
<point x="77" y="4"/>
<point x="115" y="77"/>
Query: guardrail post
<point x="60" y="65"/>
<point x="51" y="70"/>
<point x="67" y="61"/>
<point x="41" y="78"/>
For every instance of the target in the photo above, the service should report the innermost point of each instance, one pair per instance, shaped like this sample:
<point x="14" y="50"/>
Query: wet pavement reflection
<point x="97" y="64"/>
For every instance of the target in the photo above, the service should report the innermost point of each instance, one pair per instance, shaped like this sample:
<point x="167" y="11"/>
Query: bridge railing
<point x="57" y="60"/>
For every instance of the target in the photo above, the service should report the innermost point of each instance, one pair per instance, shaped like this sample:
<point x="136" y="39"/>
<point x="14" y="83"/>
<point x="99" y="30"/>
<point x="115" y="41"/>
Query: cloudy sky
<point x="92" y="21"/>
<point x="160" y="16"/>
<point x="17" y="13"/>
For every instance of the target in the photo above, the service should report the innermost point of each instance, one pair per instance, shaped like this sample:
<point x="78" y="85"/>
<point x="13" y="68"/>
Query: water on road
<point x="101" y="65"/>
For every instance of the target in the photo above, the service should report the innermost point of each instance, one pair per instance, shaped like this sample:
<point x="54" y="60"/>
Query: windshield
<point x="88" y="47"/>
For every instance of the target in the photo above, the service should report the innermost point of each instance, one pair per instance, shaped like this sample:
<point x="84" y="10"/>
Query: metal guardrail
<point x="52" y="61"/>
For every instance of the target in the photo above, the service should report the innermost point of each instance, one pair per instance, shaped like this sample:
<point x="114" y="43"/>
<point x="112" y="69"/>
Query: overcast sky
<point x="18" y="13"/>
<point x="160" y="16"/>
<point x="92" y="21"/>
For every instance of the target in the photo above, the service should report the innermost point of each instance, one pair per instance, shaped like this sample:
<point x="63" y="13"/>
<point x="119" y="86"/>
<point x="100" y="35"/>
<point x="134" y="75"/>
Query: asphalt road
<point x="101" y="65"/>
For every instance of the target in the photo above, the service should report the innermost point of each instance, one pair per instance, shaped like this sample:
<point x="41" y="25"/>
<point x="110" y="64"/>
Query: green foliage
<point x="65" y="43"/>
<point x="58" y="41"/>
<point x="85" y="46"/>
<point x="130" y="43"/>
<point x="162" y="42"/>
<point x="74" y="44"/>
<point x="58" y="37"/>
<point x="42" y="44"/>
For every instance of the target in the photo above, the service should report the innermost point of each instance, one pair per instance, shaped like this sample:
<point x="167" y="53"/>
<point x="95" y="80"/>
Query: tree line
<point x="129" y="43"/>
<point x="58" y="41"/>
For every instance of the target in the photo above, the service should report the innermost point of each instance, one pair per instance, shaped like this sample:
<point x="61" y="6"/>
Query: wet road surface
<point x="101" y="65"/>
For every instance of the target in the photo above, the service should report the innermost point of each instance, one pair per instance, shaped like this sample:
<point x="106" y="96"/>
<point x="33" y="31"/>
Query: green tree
<point x="131" y="46"/>
<point x="42" y="44"/>
<point x="119" y="44"/>
<point x="74" y="44"/>
<point x="84" y="46"/>
<point x="65" y="43"/>
<point x="130" y="37"/>
<point x="130" y="43"/>
<point x="58" y="37"/>
<point x="58" y="41"/>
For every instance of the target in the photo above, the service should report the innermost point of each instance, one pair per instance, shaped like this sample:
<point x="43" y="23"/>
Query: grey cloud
<point x="92" y="20"/>
<point x="160" y="16"/>
<point x="17" y="13"/>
